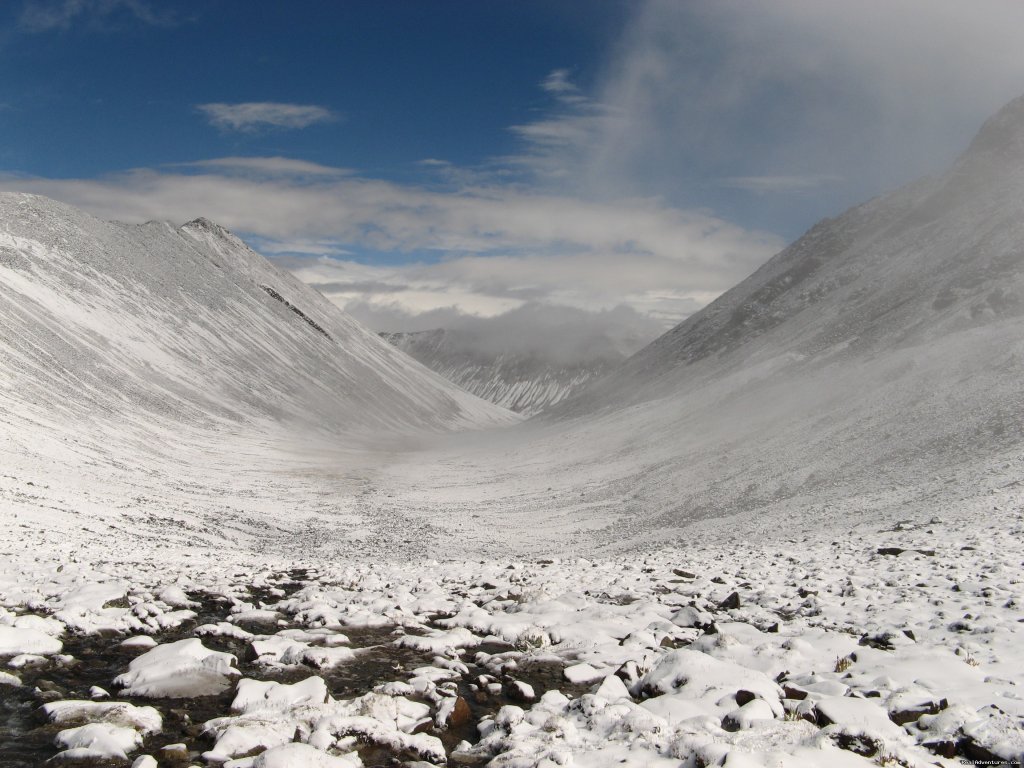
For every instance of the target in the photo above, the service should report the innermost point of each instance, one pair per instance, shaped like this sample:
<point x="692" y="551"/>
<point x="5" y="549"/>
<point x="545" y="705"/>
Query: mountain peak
<point x="1002" y="135"/>
<point x="203" y="223"/>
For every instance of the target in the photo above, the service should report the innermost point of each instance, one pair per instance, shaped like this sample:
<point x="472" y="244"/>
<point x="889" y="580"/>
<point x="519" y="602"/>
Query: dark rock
<point x="881" y="641"/>
<point x="732" y="602"/>
<point x="946" y="749"/>
<point x="718" y="580"/>
<point x="773" y="629"/>
<point x="793" y="693"/>
<point x="858" y="743"/>
<point x="729" y="724"/>
<point x="629" y="673"/>
<point x="684" y="574"/>
<point x="911" y="715"/>
<point x="744" y="697"/>
<point x="895" y="551"/>
<point x="514" y="693"/>
<point x="979" y="754"/>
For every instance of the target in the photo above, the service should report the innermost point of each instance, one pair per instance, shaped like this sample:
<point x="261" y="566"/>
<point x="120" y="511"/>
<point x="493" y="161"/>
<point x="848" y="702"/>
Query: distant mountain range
<point x="522" y="381"/>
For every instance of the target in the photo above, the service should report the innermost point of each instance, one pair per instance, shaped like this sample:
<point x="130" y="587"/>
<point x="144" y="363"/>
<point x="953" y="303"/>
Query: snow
<point x="139" y="641"/>
<point x="143" y="719"/>
<point x="303" y="756"/>
<point x="98" y="741"/>
<point x="19" y="640"/>
<point x="178" y="670"/>
<point x="252" y="695"/>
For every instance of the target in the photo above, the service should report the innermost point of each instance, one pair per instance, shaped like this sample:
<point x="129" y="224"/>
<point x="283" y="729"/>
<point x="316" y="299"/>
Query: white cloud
<point x="496" y="248"/>
<point x="874" y="92"/>
<point x="558" y="82"/>
<point x="252" y="115"/>
<point x="267" y="166"/>
<point x="42" y="16"/>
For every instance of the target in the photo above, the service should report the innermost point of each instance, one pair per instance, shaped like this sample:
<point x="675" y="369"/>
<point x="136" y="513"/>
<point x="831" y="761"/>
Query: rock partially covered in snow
<point x="142" y="719"/>
<point x="179" y="670"/>
<point x="139" y="642"/>
<point x="695" y="675"/>
<point x="98" y="741"/>
<point x="19" y="640"/>
<point x="438" y="641"/>
<point x="304" y="756"/>
<point x="175" y="597"/>
<point x="253" y="695"/>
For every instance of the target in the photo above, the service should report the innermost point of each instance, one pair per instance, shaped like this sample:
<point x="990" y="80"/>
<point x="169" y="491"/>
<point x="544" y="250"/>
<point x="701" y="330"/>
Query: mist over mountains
<point x="529" y="358"/>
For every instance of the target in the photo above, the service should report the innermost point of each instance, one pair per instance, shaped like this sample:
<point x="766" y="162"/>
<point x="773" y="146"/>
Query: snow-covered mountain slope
<point x="177" y="368"/>
<point x="934" y="259"/>
<point x="111" y="324"/>
<point x="526" y="383"/>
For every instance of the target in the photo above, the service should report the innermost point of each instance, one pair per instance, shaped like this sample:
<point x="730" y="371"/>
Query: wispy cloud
<point x="556" y="144"/>
<point x="266" y="166"/>
<point x="253" y="115"/>
<point x="61" y="15"/>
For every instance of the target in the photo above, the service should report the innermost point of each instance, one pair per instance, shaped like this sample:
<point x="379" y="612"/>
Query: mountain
<point x="522" y="380"/>
<point x="109" y="322"/>
<point x="175" y="365"/>
<point x="916" y="267"/>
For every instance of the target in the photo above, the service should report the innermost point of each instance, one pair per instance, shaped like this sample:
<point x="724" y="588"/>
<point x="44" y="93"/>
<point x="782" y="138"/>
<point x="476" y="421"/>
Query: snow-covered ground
<point x="857" y="645"/>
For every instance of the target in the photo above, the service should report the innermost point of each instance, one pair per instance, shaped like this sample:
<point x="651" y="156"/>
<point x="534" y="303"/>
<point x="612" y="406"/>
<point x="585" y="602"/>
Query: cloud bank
<point x="808" y="106"/>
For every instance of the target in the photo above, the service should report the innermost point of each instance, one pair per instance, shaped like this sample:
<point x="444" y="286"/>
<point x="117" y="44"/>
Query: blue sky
<point x="424" y="163"/>
<point x="406" y="79"/>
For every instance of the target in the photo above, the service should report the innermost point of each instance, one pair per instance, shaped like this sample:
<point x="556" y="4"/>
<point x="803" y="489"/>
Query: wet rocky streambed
<point x="90" y="661"/>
